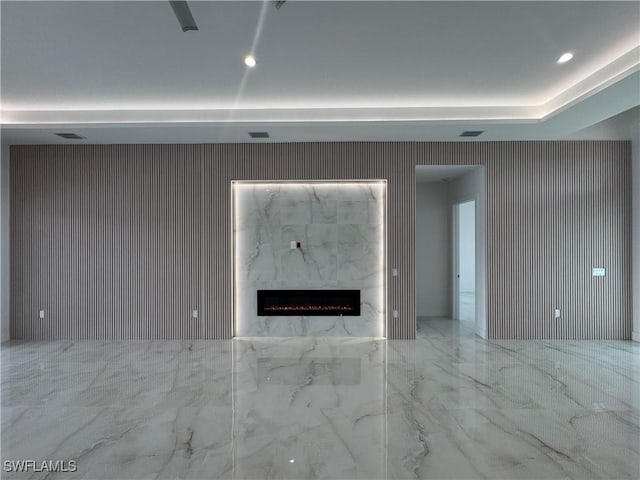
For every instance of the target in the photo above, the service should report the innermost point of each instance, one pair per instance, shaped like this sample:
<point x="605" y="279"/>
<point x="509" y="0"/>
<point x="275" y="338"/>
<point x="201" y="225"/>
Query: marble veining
<point x="448" y="405"/>
<point x="341" y="232"/>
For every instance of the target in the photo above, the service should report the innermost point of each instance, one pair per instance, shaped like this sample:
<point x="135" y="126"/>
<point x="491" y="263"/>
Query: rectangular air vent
<point x="259" y="134"/>
<point x="70" y="136"/>
<point x="471" y="133"/>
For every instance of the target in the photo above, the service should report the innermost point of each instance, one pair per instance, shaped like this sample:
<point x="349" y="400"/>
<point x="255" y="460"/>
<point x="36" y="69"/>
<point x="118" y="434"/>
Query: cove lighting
<point x="250" y="61"/>
<point x="565" y="57"/>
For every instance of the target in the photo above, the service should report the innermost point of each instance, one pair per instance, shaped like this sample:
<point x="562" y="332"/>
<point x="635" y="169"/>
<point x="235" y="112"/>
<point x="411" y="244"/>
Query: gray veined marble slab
<point x="448" y="405"/>
<point x="340" y="229"/>
<point x="317" y="259"/>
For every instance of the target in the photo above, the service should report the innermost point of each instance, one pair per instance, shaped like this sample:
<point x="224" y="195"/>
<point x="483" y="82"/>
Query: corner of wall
<point x="635" y="226"/>
<point x="5" y="333"/>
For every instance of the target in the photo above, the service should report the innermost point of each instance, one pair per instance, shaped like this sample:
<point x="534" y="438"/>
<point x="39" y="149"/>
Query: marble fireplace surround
<point x="341" y="229"/>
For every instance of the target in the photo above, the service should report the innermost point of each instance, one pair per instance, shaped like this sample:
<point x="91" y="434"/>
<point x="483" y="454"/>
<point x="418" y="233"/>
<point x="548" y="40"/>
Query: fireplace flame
<point x="315" y="308"/>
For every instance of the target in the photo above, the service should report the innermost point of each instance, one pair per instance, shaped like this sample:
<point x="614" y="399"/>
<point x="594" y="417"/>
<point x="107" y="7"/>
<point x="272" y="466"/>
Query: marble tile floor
<point x="448" y="405"/>
<point x="467" y="306"/>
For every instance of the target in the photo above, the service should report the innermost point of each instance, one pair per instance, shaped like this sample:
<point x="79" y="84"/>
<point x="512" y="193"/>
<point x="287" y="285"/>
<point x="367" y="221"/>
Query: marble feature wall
<point x="340" y="227"/>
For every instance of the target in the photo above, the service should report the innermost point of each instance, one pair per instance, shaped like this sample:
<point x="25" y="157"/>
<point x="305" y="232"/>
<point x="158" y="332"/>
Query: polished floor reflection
<point x="448" y="405"/>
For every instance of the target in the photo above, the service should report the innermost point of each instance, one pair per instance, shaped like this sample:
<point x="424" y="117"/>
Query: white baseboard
<point x="635" y="336"/>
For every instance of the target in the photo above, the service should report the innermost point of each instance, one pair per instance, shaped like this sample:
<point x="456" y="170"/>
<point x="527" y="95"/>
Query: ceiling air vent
<point x="471" y="133"/>
<point x="259" y="134"/>
<point x="70" y="136"/>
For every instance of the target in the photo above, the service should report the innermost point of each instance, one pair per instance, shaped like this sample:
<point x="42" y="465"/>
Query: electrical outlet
<point x="394" y="272"/>
<point x="396" y="314"/>
<point x="194" y="314"/>
<point x="41" y="314"/>
<point x="557" y="313"/>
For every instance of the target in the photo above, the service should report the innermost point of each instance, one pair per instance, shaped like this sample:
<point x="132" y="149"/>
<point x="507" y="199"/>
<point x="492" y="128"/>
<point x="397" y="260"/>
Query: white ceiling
<point x="123" y="72"/>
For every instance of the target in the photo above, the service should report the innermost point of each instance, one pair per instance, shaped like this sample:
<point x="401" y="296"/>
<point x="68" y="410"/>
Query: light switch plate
<point x="194" y="314"/>
<point x="293" y="244"/>
<point x="598" y="272"/>
<point x="41" y="314"/>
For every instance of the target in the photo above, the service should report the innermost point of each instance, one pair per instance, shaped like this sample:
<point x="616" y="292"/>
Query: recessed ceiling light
<point x="250" y="61"/>
<point x="565" y="57"/>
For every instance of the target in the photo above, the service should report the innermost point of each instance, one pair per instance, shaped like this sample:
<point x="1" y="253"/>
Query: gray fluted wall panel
<point x="554" y="211"/>
<point x="106" y="240"/>
<point x="124" y="241"/>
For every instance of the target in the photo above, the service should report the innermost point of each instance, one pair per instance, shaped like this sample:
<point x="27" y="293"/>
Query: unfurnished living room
<point x="320" y="239"/>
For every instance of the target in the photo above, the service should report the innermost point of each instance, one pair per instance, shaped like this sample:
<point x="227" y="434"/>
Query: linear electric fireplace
<point x="308" y="302"/>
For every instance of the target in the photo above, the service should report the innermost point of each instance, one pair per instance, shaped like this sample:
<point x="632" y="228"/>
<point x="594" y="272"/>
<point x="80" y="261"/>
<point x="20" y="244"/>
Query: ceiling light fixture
<point x="250" y="61"/>
<point x="184" y="16"/>
<point x="565" y="57"/>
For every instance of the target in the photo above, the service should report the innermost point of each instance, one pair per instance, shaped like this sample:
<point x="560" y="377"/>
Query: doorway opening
<point x="464" y="261"/>
<point x="450" y="239"/>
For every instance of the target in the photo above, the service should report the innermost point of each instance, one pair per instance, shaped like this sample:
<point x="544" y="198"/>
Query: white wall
<point x="614" y="128"/>
<point x="635" y="223"/>
<point x="433" y="250"/>
<point x="4" y="243"/>
<point x="471" y="186"/>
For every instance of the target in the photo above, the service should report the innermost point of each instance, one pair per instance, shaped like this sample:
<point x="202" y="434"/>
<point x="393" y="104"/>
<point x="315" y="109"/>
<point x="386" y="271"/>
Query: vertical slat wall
<point x="223" y="163"/>
<point x="124" y="241"/>
<point x="106" y="240"/>
<point x="554" y="211"/>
